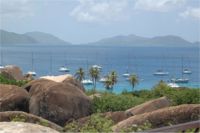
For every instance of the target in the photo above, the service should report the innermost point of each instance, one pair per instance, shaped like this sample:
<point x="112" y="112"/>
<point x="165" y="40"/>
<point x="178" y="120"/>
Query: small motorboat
<point x="180" y="80"/>
<point x="126" y="74"/>
<point x="173" y="85"/>
<point x="32" y="73"/>
<point x="103" y="80"/>
<point x="161" y="73"/>
<point x="87" y="82"/>
<point x="64" y="69"/>
<point x="187" y="71"/>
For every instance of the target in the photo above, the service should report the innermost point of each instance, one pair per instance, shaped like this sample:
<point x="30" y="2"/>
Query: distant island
<point x="133" y="40"/>
<point x="129" y="40"/>
<point x="29" y="38"/>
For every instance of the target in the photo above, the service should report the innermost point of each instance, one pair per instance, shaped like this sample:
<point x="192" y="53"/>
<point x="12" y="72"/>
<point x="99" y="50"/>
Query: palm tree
<point x="94" y="74"/>
<point x="113" y="78"/>
<point x="133" y="79"/>
<point x="80" y="74"/>
<point x="108" y="83"/>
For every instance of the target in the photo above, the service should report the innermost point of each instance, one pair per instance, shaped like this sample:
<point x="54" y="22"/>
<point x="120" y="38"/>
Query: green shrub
<point x="138" y="128"/>
<point x="4" y="80"/>
<point x="96" y="123"/>
<point x="113" y="102"/>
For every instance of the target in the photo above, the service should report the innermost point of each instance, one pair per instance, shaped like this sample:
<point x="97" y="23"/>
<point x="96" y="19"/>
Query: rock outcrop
<point x="74" y="82"/>
<point x="67" y="78"/>
<point x="149" y="106"/>
<point x="12" y="73"/>
<point x="162" y="117"/>
<point x="21" y="127"/>
<point x="13" y="98"/>
<point x="19" y="116"/>
<point x="57" y="102"/>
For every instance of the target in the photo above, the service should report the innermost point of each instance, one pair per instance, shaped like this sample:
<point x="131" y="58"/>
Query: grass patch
<point x="4" y="80"/>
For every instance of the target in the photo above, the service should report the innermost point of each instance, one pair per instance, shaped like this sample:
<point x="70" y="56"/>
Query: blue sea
<point x="142" y="61"/>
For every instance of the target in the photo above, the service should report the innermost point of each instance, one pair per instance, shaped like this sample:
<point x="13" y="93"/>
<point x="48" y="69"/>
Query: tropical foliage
<point x="94" y="74"/>
<point x="80" y="74"/>
<point x="133" y="79"/>
<point x="96" y="123"/>
<point x="111" y="80"/>
<point x="114" y="102"/>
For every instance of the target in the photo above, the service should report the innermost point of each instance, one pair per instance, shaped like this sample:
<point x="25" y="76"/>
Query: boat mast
<point x="32" y="61"/>
<point x="51" y="63"/>
<point x="1" y="63"/>
<point x="182" y="66"/>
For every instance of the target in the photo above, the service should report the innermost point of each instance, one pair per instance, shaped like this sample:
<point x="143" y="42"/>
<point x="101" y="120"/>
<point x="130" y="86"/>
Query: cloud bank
<point x="99" y="10"/>
<point x="191" y="13"/>
<point x="114" y="10"/>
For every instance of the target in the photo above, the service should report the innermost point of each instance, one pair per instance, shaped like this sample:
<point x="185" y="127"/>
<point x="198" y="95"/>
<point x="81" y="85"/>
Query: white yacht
<point x="173" y="85"/>
<point x="97" y="66"/>
<point x="180" y="80"/>
<point x="187" y="71"/>
<point x="87" y="82"/>
<point x="161" y="73"/>
<point x="64" y="69"/>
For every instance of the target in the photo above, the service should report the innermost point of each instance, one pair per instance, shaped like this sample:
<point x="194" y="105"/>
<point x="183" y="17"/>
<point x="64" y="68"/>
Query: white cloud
<point x="15" y="8"/>
<point x="158" y="5"/>
<point x="191" y="12"/>
<point x="99" y="10"/>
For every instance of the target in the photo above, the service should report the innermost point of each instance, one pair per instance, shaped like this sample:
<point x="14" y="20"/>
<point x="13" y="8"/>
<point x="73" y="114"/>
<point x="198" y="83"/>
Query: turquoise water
<point x="142" y="61"/>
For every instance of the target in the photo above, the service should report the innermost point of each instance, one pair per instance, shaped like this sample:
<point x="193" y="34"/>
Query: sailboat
<point x="33" y="73"/>
<point x="64" y="69"/>
<point x="127" y="74"/>
<point x="97" y="66"/>
<point x="87" y="81"/>
<point x="187" y="71"/>
<point x="182" y="79"/>
<point x="161" y="72"/>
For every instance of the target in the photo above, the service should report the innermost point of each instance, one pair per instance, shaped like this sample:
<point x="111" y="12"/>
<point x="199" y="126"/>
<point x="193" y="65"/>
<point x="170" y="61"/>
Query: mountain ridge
<point x="134" y="40"/>
<point x="131" y="40"/>
<point x="7" y="37"/>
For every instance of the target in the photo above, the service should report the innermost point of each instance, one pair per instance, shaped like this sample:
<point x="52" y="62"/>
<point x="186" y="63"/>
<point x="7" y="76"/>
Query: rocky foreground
<point x="46" y="105"/>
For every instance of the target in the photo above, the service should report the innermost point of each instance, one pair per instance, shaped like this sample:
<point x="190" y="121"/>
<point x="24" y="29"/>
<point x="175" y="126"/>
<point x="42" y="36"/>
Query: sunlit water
<point x="142" y="61"/>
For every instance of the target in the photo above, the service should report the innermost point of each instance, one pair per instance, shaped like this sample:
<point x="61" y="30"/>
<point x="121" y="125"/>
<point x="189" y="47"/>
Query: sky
<point x="82" y="21"/>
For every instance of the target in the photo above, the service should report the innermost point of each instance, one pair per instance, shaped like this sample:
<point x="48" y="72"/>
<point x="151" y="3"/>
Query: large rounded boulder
<point x="70" y="79"/>
<point x="150" y="106"/>
<point x="57" y="102"/>
<point x="162" y="117"/>
<point x="13" y="98"/>
<point x="12" y="73"/>
<point x="21" y="127"/>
